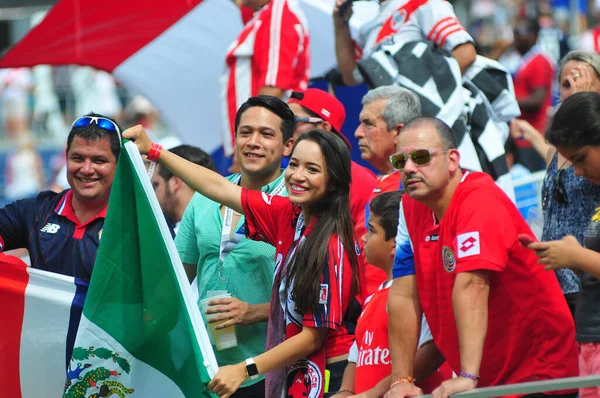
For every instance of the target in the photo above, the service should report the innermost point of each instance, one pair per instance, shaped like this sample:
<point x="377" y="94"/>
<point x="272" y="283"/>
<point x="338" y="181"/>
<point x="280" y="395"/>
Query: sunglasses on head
<point x="420" y="157"/>
<point x="312" y="120"/>
<point x="102" y="122"/>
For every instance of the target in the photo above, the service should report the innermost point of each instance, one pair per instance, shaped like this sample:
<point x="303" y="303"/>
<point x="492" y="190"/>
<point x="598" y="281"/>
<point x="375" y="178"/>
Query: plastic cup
<point x="222" y="338"/>
<point x="535" y="219"/>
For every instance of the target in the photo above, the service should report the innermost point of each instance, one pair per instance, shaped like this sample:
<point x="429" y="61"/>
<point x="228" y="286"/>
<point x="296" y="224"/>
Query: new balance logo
<point x="50" y="228"/>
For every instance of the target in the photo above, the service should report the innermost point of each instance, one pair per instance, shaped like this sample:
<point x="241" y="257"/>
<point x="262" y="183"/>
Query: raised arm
<point x="207" y="182"/>
<point x="344" y="47"/>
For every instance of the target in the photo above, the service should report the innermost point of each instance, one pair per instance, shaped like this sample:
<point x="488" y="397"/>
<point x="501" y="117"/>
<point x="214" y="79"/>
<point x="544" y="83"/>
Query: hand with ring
<point x="583" y="79"/>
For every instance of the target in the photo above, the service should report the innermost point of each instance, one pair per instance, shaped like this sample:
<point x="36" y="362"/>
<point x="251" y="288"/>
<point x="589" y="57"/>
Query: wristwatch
<point x="251" y="369"/>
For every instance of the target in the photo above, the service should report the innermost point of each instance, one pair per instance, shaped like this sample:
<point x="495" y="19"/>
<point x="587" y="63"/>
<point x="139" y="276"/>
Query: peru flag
<point x="39" y="315"/>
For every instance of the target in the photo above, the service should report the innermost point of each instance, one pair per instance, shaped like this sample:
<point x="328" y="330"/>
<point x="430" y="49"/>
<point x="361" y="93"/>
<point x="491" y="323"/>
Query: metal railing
<point x="533" y="387"/>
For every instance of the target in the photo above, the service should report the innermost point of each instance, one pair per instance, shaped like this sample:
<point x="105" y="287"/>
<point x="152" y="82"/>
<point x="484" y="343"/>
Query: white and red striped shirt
<point x="412" y="20"/>
<point x="272" y="50"/>
<point x="590" y="40"/>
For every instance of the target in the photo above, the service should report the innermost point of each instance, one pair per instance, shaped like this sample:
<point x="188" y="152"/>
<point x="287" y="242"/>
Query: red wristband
<point x="154" y="152"/>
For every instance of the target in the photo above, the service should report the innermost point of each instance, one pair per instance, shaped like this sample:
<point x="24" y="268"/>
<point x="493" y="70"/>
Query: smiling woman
<point x="316" y="275"/>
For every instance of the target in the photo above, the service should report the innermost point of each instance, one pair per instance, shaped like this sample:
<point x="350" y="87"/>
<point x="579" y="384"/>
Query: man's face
<point x="164" y="193"/>
<point x="375" y="141"/>
<point x="303" y="127"/>
<point x="259" y="143"/>
<point x="427" y="181"/>
<point x="524" y="38"/>
<point x="91" y="168"/>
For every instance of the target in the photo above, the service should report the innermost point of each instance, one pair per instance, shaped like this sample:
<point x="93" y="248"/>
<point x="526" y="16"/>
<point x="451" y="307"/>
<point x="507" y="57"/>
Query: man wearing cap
<point x="62" y="231"/>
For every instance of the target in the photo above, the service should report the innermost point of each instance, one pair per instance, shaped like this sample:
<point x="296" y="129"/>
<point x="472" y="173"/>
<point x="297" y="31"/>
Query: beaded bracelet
<point x="154" y="152"/>
<point x="399" y="380"/>
<point x="469" y="376"/>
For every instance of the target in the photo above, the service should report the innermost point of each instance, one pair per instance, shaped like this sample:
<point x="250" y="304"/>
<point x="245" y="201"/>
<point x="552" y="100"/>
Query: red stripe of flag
<point x="13" y="282"/>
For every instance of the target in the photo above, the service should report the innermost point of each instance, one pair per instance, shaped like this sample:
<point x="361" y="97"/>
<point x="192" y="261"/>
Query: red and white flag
<point x="40" y="315"/>
<point x="171" y="51"/>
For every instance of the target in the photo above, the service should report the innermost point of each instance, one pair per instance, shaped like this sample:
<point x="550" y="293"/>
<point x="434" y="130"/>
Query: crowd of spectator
<point x="423" y="277"/>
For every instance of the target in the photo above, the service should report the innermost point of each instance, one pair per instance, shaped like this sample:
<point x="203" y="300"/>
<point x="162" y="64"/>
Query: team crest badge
<point x="304" y="380"/>
<point x="449" y="260"/>
<point x="398" y="19"/>
<point x="93" y="372"/>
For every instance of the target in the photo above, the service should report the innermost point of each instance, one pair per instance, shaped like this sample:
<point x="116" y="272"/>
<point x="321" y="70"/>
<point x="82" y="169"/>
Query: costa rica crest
<point x="449" y="259"/>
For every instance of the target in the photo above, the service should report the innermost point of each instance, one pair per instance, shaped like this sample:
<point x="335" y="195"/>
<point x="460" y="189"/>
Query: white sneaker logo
<point x="50" y="228"/>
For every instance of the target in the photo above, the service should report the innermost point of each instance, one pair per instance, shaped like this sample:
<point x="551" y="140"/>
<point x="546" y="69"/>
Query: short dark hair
<point x="532" y="24"/>
<point x="386" y="206"/>
<point x="189" y="153"/>
<point x="95" y="133"/>
<point x="444" y="131"/>
<point x="576" y="123"/>
<point x="275" y="105"/>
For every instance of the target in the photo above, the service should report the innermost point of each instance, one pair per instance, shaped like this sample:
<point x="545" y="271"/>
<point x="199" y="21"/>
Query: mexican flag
<point x="141" y="335"/>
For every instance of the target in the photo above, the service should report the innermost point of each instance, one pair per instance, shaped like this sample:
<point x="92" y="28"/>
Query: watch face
<point x="252" y="369"/>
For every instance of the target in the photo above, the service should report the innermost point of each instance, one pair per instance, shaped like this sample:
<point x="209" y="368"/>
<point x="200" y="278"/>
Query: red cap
<point x="326" y="106"/>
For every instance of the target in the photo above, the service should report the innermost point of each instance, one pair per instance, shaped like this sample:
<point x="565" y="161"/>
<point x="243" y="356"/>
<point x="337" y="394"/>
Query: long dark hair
<point x="333" y="217"/>
<point x="576" y="123"/>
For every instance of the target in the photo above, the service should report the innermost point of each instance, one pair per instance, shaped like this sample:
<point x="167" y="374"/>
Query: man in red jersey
<point x="495" y="314"/>
<point x="533" y="87"/>
<point x="271" y="56"/>
<point x="385" y="111"/>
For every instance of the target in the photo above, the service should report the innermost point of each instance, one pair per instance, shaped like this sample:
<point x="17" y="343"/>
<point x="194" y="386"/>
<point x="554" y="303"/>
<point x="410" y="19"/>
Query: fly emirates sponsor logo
<point x="368" y="356"/>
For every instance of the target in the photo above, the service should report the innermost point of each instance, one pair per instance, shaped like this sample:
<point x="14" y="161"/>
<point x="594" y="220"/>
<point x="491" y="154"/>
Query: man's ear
<point x="176" y="183"/>
<point x="454" y="160"/>
<point x="287" y="147"/>
<point x="396" y="132"/>
<point x="327" y="126"/>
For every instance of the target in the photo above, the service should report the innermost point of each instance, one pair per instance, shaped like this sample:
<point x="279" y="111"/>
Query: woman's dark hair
<point x="275" y="105"/>
<point x="333" y="217"/>
<point x="576" y="123"/>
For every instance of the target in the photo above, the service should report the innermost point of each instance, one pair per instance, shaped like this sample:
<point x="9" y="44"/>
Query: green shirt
<point x="246" y="272"/>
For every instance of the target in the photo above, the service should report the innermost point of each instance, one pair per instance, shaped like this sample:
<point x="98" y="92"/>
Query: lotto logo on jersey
<point x="267" y="198"/>
<point x="323" y="293"/>
<point x="468" y="244"/>
<point x="50" y="228"/>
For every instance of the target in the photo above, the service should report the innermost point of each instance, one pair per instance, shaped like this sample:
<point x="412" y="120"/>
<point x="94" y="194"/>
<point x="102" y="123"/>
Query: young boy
<point x="369" y="366"/>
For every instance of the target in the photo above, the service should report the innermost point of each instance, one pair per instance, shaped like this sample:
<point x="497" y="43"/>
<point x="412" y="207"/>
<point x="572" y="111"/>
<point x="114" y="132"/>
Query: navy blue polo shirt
<point x="47" y="226"/>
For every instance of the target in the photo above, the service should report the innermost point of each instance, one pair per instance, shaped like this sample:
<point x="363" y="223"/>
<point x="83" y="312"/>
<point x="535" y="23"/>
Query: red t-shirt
<point x="530" y="333"/>
<point x="536" y="71"/>
<point x="275" y="220"/>
<point x="373" y="275"/>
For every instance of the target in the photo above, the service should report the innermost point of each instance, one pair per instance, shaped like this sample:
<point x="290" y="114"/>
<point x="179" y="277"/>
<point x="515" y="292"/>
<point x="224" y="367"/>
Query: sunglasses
<point x="420" y="157"/>
<point x="102" y="122"/>
<point x="312" y="120"/>
<point x="559" y="191"/>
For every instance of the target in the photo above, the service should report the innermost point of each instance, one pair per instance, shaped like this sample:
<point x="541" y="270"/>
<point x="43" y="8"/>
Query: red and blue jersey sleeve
<point x="266" y="215"/>
<point x="404" y="259"/>
<point x="336" y="286"/>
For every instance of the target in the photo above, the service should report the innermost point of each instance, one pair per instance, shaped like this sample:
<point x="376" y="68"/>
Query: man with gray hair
<point x="385" y="111"/>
